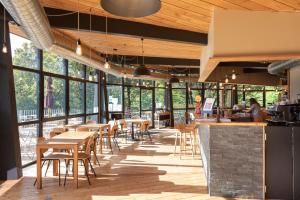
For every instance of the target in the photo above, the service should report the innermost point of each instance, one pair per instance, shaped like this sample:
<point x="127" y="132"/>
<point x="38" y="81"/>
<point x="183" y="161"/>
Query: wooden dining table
<point x="133" y="122"/>
<point x="100" y="128"/>
<point x="67" y="140"/>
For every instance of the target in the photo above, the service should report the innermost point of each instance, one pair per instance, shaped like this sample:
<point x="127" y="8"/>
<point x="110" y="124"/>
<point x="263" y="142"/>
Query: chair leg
<point x="87" y="174"/>
<point x="67" y="167"/>
<point x="116" y="143"/>
<point x="58" y="172"/>
<point x="49" y="162"/>
<point x="93" y="170"/>
<point x="42" y="168"/>
<point x="149" y="136"/>
<point x="175" y="142"/>
<point x="96" y="158"/>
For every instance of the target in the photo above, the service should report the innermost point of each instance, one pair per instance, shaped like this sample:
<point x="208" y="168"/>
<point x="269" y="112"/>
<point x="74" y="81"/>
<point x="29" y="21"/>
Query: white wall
<point x="294" y="83"/>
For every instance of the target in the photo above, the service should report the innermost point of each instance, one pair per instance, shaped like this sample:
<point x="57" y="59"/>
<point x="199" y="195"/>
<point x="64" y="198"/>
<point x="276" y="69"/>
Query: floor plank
<point x="139" y="171"/>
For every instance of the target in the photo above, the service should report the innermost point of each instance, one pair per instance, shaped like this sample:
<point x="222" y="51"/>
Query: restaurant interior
<point x="156" y="99"/>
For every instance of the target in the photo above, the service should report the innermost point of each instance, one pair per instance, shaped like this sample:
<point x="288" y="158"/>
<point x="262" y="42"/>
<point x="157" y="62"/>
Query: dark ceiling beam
<point x="122" y="27"/>
<point x="257" y="65"/>
<point x="138" y="60"/>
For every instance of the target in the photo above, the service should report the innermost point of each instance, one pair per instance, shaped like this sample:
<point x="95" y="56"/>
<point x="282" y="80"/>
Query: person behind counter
<point x="255" y="110"/>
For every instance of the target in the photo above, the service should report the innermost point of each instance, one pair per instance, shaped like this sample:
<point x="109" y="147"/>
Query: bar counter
<point x="233" y="158"/>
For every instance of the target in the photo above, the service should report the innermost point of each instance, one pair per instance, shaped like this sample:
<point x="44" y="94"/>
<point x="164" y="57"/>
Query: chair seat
<point x="57" y="155"/>
<point x="83" y="156"/>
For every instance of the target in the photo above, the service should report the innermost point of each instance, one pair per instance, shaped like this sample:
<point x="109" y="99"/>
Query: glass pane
<point x="178" y="85"/>
<point x="211" y="94"/>
<point x="146" y="99"/>
<point x="258" y="95"/>
<point x="27" y="95"/>
<point x="23" y="52"/>
<point x="179" y="116"/>
<point x="114" y="94"/>
<point x="77" y="120"/>
<point x="129" y="81"/>
<point x="210" y="85"/>
<point x="91" y="74"/>
<point x="76" y="97"/>
<point x="76" y="69"/>
<point x="272" y="97"/>
<point x="54" y="97"/>
<point x="92" y="118"/>
<point x="227" y="98"/>
<point x="192" y="97"/>
<point x="113" y="79"/>
<point x="197" y="85"/>
<point x="48" y="126"/>
<point x="147" y="83"/>
<point x="132" y="102"/>
<point x="254" y="87"/>
<point x="179" y="98"/>
<point x="28" y="135"/>
<point x="240" y="97"/>
<point x="160" y="83"/>
<point x="91" y="98"/>
<point x="159" y="98"/>
<point x="53" y="63"/>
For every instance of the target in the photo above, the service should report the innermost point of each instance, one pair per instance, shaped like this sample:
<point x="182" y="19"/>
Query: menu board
<point x="208" y="105"/>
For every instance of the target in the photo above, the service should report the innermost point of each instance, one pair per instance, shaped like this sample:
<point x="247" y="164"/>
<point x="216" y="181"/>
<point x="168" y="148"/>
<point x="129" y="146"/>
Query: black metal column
<point x="103" y="99"/>
<point x="10" y="155"/>
<point x="171" y="104"/>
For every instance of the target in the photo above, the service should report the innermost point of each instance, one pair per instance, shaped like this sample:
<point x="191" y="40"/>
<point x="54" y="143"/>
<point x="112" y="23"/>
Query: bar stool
<point x="186" y="140"/>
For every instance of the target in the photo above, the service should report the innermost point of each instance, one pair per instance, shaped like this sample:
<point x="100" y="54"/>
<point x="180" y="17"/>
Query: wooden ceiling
<point x="190" y="15"/>
<point x="132" y="45"/>
<point x="193" y="15"/>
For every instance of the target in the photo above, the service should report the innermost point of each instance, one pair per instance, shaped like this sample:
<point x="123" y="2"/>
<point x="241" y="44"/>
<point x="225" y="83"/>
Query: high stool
<point x="186" y="135"/>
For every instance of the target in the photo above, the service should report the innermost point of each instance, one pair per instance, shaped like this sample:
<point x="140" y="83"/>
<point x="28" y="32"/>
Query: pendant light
<point x="233" y="75"/>
<point x="131" y="8"/>
<point x="78" y="42"/>
<point x="226" y="79"/>
<point x="141" y="70"/>
<point x="4" y="47"/>
<point x="173" y="79"/>
<point x="106" y="64"/>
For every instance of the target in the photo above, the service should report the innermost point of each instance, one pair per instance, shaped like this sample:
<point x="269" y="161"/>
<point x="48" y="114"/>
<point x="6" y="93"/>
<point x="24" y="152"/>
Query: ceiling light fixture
<point x="141" y="70"/>
<point x="131" y="8"/>
<point x="106" y="64"/>
<point x="233" y="75"/>
<point x="4" y="47"/>
<point x="226" y="79"/>
<point x="78" y="42"/>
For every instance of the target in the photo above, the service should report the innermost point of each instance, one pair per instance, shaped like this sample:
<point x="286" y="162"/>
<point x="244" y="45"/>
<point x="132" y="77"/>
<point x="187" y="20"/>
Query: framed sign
<point x="208" y="105"/>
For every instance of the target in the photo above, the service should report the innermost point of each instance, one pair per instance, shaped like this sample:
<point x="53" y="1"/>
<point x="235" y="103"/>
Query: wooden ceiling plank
<point x="275" y="5"/>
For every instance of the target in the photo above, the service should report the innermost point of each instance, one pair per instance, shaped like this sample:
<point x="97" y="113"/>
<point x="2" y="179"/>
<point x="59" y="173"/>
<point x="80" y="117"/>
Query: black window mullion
<point x="84" y="95"/>
<point x="67" y="89"/>
<point x="41" y="92"/>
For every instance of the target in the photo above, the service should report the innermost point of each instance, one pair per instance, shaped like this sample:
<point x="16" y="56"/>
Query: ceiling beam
<point x="138" y="60"/>
<point x="122" y="27"/>
<point x="257" y="65"/>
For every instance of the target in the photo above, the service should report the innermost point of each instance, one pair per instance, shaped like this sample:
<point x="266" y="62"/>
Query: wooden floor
<point x="139" y="171"/>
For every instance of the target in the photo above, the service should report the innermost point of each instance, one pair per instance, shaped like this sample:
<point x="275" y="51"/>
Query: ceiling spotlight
<point x="220" y="84"/>
<point x="106" y="64"/>
<point x="78" y="47"/>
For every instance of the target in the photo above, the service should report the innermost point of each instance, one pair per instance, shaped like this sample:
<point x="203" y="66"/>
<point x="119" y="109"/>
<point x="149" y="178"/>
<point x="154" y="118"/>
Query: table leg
<point x="101" y="140"/>
<point x="132" y="131"/>
<point x="75" y="164"/>
<point x="55" y="165"/>
<point x="94" y="152"/>
<point x="108" y="138"/>
<point x="38" y="169"/>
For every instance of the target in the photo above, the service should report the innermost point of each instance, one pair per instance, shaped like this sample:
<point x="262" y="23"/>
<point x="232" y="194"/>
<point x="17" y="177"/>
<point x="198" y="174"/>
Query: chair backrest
<point x="114" y="130"/>
<point x="180" y="127"/>
<point x="89" y="144"/>
<point x="91" y="122"/>
<point x="82" y="128"/>
<point x="59" y="130"/>
<point x="53" y="133"/>
<point x="144" y="126"/>
<point x="123" y="123"/>
<point x="112" y="123"/>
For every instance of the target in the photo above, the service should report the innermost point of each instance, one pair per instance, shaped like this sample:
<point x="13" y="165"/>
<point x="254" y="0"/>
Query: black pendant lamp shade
<point x="174" y="79"/>
<point x="141" y="71"/>
<point x="131" y="8"/>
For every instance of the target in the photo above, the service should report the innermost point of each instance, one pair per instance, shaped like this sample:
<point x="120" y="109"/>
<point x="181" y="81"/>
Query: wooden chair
<point x="113" y="136"/>
<point x="82" y="128"/>
<point x="186" y="139"/>
<point x="123" y="129"/>
<point x="85" y="157"/>
<point x="53" y="156"/>
<point x="144" y="130"/>
<point x="91" y="122"/>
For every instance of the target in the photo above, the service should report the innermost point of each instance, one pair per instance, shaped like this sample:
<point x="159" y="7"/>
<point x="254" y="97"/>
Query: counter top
<point x="230" y="123"/>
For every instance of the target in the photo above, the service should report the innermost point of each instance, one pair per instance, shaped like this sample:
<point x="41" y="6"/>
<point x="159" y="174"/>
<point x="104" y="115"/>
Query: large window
<point x="81" y="100"/>
<point x="92" y="98"/>
<point x="132" y="101"/>
<point x="159" y="98"/>
<point x="54" y="97"/>
<point x="76" y="97"/>
<point x="179" y="98"/>
<point x="27" y="95"/>
<point x="114" y="93"/>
